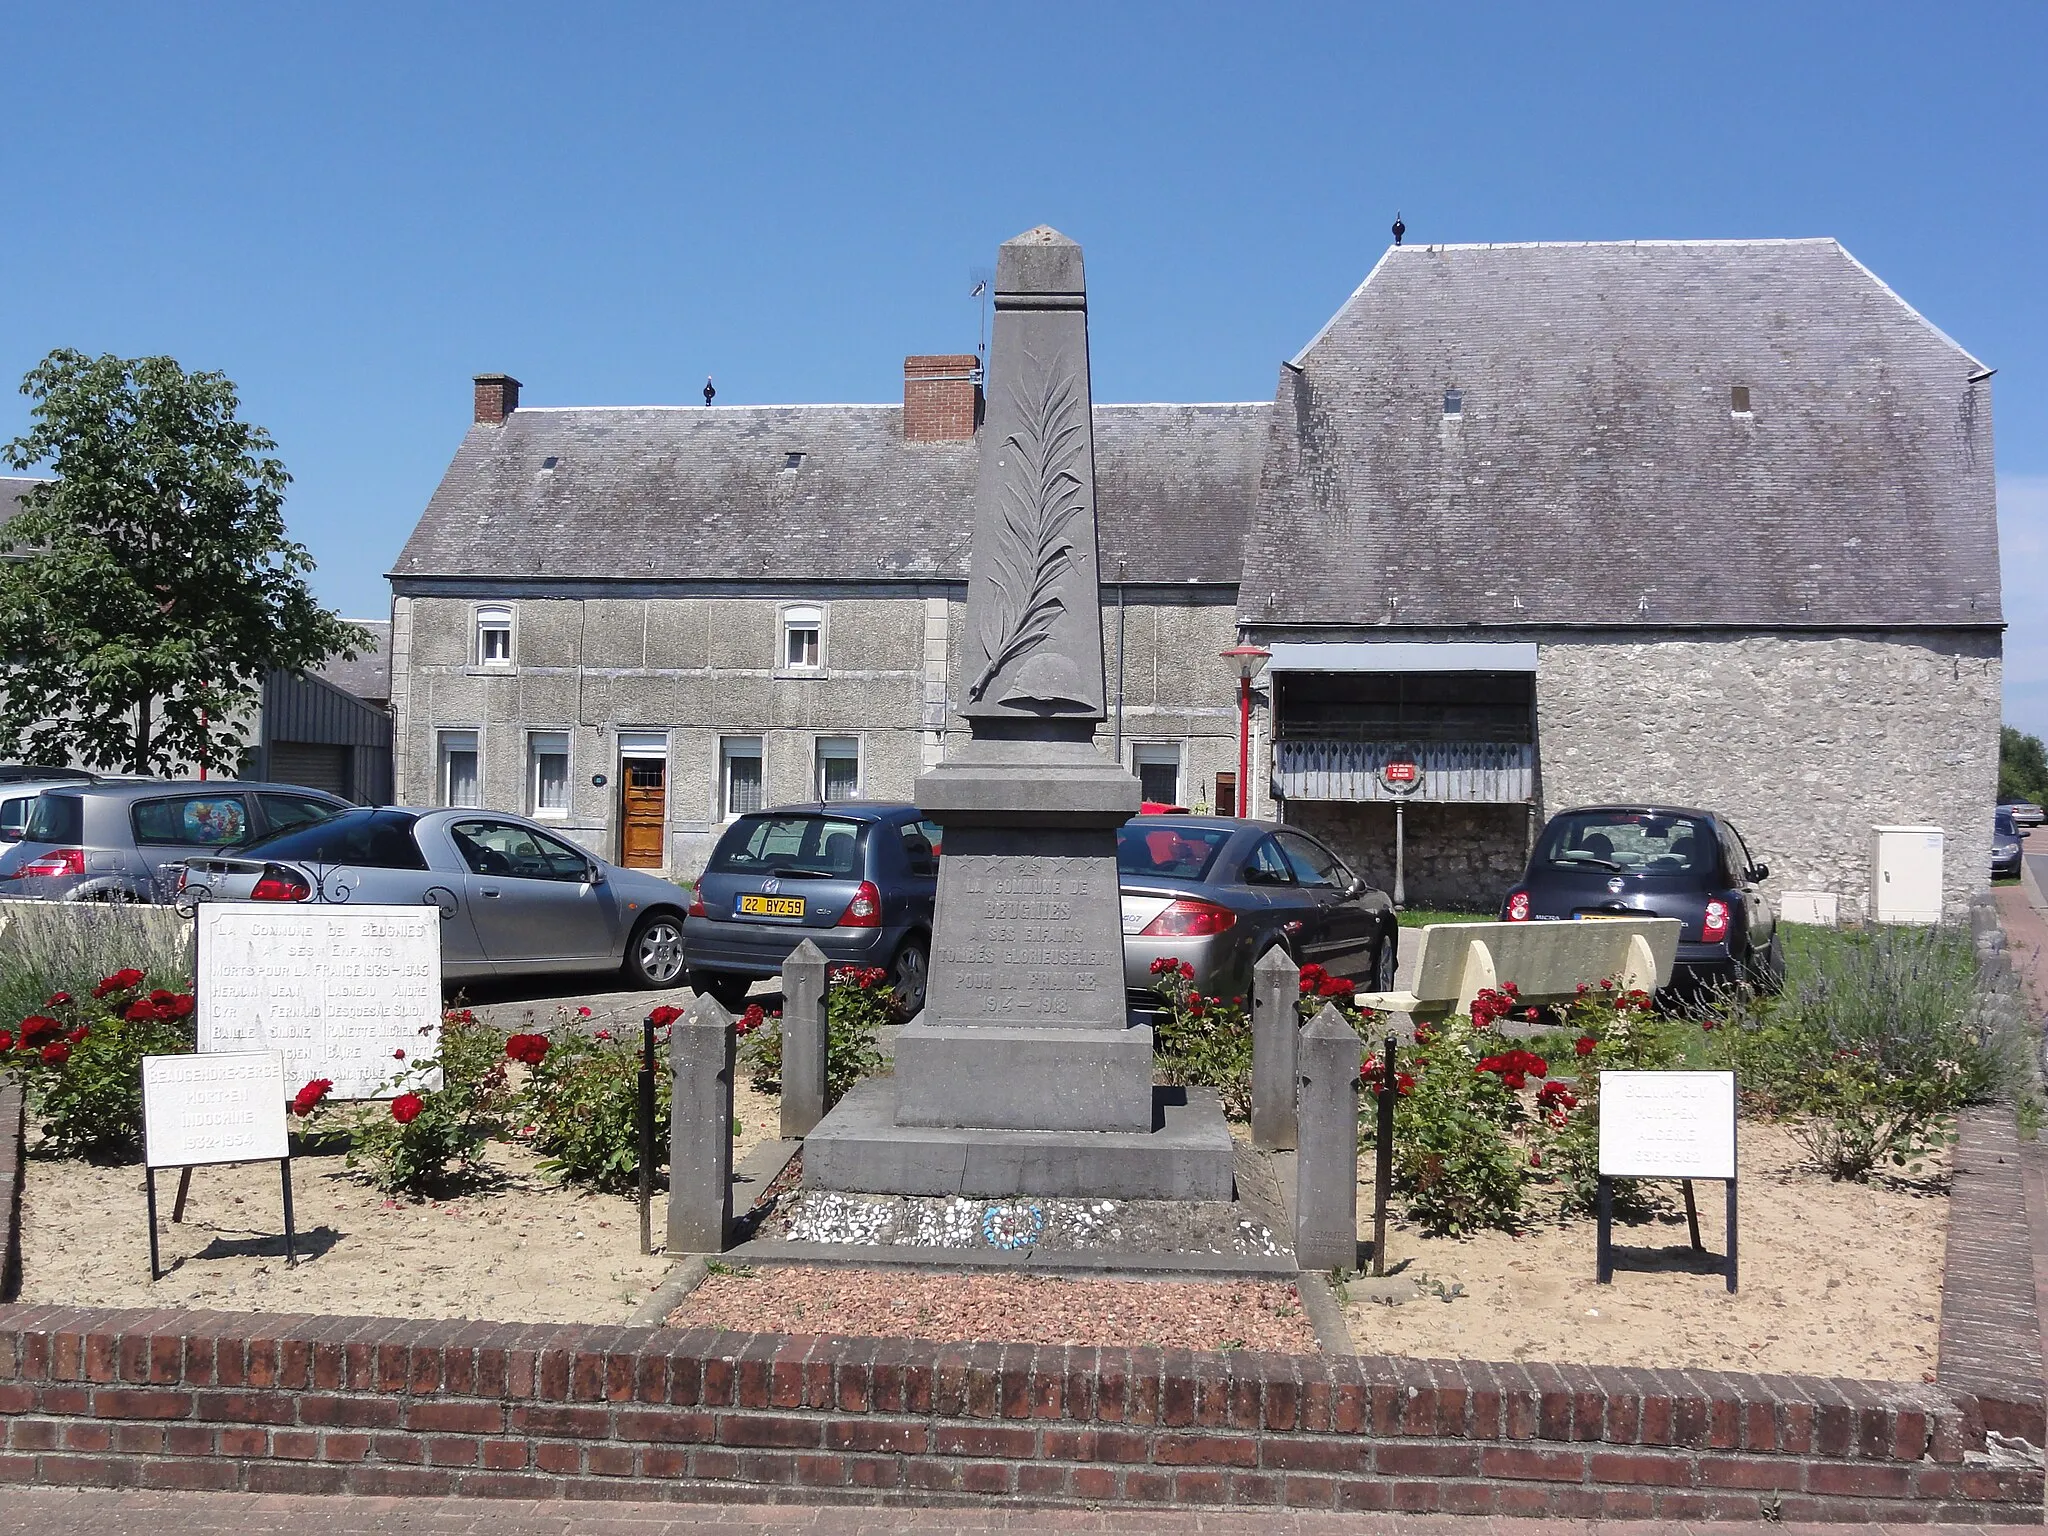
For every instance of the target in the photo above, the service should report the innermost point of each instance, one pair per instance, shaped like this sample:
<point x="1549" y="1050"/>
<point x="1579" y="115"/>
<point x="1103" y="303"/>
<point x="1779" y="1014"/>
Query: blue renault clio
<point x="858" y="880"/>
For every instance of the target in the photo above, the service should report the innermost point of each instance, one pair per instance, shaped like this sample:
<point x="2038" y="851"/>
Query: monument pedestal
<point x="862" y="1146"/>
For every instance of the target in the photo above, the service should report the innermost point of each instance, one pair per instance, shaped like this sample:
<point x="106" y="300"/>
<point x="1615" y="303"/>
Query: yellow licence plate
<point x="771" y="906"/>
<point x="1608" y="917"/>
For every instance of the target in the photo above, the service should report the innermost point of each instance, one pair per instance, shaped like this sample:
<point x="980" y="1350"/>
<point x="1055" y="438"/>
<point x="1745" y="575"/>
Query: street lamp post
<point x="1251" y="661"/>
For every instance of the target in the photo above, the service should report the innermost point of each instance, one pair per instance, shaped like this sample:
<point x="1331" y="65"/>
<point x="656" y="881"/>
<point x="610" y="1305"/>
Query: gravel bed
<point x="1045" y="1225"/>
<point x="1012" y="1309"/>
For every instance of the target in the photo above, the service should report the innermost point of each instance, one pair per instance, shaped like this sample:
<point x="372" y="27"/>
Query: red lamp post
<point x="1251" y="661"/>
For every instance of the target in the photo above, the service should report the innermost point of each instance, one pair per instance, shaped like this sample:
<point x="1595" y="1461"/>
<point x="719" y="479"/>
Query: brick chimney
<point x="941" y="398"/>
<point x="497" y="396"/>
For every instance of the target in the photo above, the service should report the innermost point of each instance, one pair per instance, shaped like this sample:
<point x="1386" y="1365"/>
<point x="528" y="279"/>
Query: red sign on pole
<point x="1402" y="773"/>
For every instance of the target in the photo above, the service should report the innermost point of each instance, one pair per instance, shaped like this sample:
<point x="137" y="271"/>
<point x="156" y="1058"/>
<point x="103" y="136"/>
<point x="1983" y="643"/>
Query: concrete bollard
<point x="700" y="1051"/>
<point x="1326" y="1167"/>
<point x="1276" y="1027"/>
<point x="803" y="1040"/>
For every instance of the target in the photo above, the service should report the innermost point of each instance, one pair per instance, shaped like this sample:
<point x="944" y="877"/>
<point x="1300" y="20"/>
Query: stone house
<point x="639" y="622"/>
<point x="1702" y="523"/>
<point x="1706" y="523"/>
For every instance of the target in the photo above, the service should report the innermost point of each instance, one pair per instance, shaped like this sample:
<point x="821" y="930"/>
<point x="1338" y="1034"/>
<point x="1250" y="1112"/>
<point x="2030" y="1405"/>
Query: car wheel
<point x="908" y="975"/>
<point x="724" y="988"/>
<point x="654" y="955"/>
<point x="1387" y="958"/>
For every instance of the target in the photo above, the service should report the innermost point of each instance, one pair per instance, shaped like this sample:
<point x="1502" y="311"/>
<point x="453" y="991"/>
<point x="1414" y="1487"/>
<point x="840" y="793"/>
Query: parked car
<point x="1219" y="893"/>
<point x="1659" y="861"/>
<point x="22" y="773"/>
<point x="2024" y="812"/>
<point x="18" y="798"/>
<point x="128" y="840"/>
<point x="515" y="898"/>
<point x="2006" y="845"/>
<point x="858" y="880"/>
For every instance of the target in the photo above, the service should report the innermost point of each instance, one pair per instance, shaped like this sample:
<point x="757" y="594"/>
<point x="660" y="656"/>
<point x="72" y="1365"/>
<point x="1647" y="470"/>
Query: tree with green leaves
<point x="2022" y="767"/>
<point x="149" y="586"/>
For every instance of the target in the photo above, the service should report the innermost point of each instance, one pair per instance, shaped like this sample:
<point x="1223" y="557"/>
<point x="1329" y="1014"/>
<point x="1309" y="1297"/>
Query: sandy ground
<point x="1021" y="1309"/>
<point x="520" y="1250"/>
<point x="1836" y="1279"/>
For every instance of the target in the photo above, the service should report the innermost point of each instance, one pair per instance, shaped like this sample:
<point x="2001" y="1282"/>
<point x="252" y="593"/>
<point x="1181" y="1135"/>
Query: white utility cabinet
<point x="1905" y="874"/>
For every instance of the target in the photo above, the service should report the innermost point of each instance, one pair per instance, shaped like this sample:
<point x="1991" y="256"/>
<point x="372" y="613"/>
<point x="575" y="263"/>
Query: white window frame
<point x="793" y="617"/>
<point x="818" y="758"/>
<point x="492" y="618"/>
<point x="534" y="754"/>
<point x="729" y="748"/>
<point x="447" y="742"/>
<point x="1155" y="754"/>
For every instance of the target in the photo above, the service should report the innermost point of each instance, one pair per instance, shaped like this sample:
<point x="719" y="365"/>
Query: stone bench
<point x="1546" y="962"/>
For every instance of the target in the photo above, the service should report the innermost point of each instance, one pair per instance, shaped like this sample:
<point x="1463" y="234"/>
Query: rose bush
<point x="858" y="1002"/>
<point x="427" y="1138"/>
<point x="579" y="1106"/>
<point x="80" y="1063"/>
<point x="1202" y="1041"/>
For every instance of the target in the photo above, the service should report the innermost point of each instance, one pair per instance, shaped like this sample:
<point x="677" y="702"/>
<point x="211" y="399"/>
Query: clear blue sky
<point x="351" y="209"/>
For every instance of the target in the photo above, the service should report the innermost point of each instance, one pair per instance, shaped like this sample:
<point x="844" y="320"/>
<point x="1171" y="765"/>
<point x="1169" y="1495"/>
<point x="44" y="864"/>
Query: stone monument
<point x="1024" y="1074"/>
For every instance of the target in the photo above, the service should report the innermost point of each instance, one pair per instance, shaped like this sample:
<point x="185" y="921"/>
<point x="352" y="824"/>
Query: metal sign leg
<point x="1731" y="1237"/>
<point x="184" y="1189"/>
<point x="1604" y="1248"/>
<point x="149" y="1188"/>
<point x="291" y="1257"/>
<point x="1692" y="1217"/>
<point x="1383" y="1159"/>
<point x="644" y="1113"/>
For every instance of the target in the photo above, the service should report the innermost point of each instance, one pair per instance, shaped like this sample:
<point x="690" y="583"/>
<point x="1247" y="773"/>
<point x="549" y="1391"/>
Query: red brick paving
<point x="83" y="1512"/>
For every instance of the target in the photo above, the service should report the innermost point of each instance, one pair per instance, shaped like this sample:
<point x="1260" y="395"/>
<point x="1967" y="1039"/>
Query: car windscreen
<point x="57" y="819"/>
<point x="1628" y="842"/>
<point x="378" y="839"/>
<point x="791" y="843"/>
<point x="1174" y="852"/>
<point x="2005" y="825"/>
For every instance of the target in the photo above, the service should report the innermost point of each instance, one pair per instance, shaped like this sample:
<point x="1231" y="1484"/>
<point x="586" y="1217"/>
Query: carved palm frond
<point x="1040" y="498"/>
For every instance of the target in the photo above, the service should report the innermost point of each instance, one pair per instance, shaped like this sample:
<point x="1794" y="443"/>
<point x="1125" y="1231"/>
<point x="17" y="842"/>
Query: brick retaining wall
<point x="334" y="1405"/>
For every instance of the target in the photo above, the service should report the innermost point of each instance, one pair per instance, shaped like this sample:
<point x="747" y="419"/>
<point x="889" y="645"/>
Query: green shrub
<point x="80" y="1062"/>
<point x="68" y="946"/>
<point x="1880" y="1036"/>
<point x="1460" y="1156"/>
<point x="858" y="1002"/>
<point x="426" y="1139"/>
<point x="1202" y="1041"/>
<point x="581" y="1104"/>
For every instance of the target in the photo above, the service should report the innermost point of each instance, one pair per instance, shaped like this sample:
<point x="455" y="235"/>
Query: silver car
<point x="515" y="898"/>
<point x="128" y="840"/>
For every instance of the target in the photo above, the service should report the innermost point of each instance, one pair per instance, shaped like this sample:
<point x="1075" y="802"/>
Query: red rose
<point x="751" y="1020"/>
<point x="399" y="1054"/>
<point x="120" y="981"/>
<point x="142" y="1011"/>
<point x="77" y="1036"/>
<point x="406" y="1108"/>
<point x="582" y="1013"/>
<point x="1585" y="1045"/>
<point x="1515" y="1080"/>
<point x="56" y="1055"/>
<point x="37" y="1030"/>
<point x="308" y="1098"/>
<point x="1535" y="1159"/>
<point x="530" y="1049"/>
<point x="58" y="1000"/>
<point x="6" y="1039"/>
<point x="664" y="1016"/>
<point x="179" y="1005"/>
<point x="1187" y="972"/>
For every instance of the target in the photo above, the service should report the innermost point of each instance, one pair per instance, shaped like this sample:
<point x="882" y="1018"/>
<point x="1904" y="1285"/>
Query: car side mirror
<point x="14" y="835"/>
<point x="593" y="873"/>
<point x="1355" y="888"/>
<point x="1761" y="872"/>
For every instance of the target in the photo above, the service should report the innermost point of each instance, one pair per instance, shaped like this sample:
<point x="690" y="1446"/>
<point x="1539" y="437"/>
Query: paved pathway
<point x="67" y="1512"/>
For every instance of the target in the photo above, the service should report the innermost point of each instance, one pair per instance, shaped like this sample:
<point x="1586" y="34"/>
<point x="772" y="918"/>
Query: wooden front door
<point x="643" y="796"/>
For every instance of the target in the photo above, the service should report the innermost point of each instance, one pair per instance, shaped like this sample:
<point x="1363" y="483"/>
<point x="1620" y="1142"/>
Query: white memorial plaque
<point x="1667" y="1125"/>
<point x="335" y="990"/>
<point x="219" y="1108"/>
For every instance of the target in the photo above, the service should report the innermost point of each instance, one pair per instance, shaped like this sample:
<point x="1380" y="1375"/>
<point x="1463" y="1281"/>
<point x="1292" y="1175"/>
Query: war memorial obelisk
<point x="1023" y="1075"/>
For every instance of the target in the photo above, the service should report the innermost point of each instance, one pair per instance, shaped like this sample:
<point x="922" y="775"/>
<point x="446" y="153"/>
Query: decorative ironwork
<point x="1472" y="772"/>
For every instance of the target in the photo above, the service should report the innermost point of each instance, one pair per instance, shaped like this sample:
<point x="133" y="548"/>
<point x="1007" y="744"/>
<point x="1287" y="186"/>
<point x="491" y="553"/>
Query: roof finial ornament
<point x="1400" y="229"/>
<point x="710" y="394"/>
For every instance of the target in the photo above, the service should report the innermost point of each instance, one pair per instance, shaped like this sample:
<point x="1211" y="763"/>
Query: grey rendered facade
<point x="1721" y="513"/>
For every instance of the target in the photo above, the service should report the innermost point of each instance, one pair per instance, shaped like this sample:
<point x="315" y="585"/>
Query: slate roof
<point x="12" y="489"/>
<point x="1597" y="473"/>
<point x="685" y="492"/>
<point x="368" y="677"/>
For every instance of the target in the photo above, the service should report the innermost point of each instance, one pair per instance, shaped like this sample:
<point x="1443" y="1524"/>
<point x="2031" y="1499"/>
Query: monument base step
<point x="859" y="1147"/>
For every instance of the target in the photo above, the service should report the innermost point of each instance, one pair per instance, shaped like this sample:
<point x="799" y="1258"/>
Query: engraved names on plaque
<point x="1026" y="950"/>
<point x="224" y="1108"/>
<point x="336" y="990"/>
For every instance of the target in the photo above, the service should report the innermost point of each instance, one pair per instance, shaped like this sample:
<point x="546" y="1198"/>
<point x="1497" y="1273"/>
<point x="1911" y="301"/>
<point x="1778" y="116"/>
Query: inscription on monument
<point x="335" y="990"/>
<point x="1024" y="948"/>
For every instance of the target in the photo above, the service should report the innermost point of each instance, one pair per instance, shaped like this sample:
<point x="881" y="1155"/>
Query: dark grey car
<point x="1219" y="893"/>
<point x="129" y="841"/>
